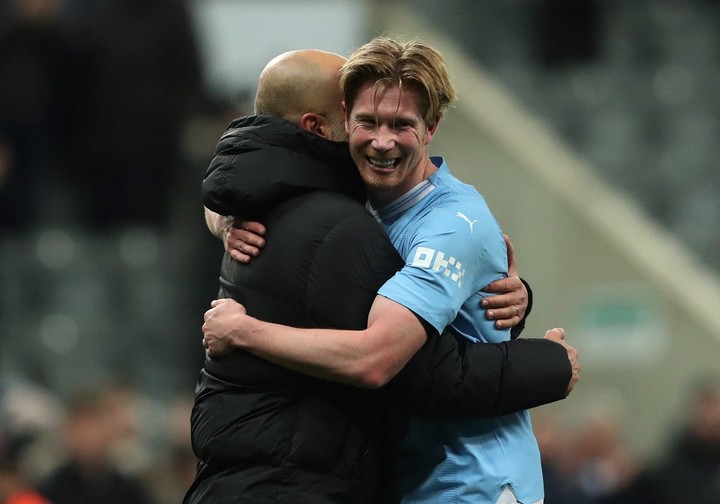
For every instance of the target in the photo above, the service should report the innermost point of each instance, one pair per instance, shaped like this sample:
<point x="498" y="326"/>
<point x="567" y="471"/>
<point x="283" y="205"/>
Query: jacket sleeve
<point x="454" y="379"/>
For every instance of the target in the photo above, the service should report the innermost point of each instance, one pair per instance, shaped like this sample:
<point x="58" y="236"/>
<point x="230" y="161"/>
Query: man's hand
<point x="243" y="240"/>
<point x="558" y="335"/>
<point x="221" y="320"/>
<point x="507" y="308"/>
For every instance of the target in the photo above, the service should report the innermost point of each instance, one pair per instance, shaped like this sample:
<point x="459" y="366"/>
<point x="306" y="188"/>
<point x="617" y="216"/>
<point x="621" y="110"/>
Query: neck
<point x="429" y="168"/>
<point x="380" y="196"/>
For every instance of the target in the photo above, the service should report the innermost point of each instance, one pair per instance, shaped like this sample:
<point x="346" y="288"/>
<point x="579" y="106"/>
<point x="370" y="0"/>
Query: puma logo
<point x="465" y="218"/>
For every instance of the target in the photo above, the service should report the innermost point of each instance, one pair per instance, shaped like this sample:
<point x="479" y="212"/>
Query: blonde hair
<point x="388" y="62"/>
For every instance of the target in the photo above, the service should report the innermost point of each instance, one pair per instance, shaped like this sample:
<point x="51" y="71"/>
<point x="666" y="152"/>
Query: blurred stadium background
<point x="592" y="128"/>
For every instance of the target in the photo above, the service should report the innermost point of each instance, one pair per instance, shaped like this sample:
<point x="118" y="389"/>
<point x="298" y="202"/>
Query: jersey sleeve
<point x="354" y="259"/>
<point x="452" y="254"/>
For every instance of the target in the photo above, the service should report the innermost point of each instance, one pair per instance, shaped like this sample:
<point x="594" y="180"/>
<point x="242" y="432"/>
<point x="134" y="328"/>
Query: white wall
<point x="238" y="37"/>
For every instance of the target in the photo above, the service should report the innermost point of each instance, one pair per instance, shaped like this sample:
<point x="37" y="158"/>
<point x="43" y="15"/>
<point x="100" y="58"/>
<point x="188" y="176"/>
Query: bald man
<point x="263" y="433"/>
<point x="291" y="85"/>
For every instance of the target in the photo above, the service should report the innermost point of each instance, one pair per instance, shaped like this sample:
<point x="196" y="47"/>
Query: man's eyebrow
<point x="365" y="116"/>
<point x="405" y="119"/>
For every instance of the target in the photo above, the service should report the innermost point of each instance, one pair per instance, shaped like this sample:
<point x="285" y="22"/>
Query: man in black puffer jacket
<point x="265" y="434"/>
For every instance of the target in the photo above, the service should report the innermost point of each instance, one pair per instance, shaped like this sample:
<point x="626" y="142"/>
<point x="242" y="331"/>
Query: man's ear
<point x="345" y="114"/>
<point x="431" y="129"/>
<point x="313" y="123"/>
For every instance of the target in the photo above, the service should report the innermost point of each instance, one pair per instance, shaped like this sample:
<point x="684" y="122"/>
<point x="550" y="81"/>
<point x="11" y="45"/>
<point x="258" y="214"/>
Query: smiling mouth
<point x="383" y="164"/>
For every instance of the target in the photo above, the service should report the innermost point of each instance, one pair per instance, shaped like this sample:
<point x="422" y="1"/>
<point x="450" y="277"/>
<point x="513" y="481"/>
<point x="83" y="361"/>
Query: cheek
<point x="357" y="135"/>
<point x="412" y="140"/>
<point x="422" y="136"/>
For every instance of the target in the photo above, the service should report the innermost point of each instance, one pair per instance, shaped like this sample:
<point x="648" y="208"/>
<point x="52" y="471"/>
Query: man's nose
<point x="384" y="138"/>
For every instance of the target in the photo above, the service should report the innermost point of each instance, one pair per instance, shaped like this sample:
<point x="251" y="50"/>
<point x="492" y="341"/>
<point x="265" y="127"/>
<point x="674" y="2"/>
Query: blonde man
<point x="395" y="95"/>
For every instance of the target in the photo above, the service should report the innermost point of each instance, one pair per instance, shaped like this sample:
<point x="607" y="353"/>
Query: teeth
<point x="384" y="163"/>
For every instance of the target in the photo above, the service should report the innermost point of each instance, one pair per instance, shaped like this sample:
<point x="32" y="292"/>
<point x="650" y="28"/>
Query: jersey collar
<point x="396" y="208"/>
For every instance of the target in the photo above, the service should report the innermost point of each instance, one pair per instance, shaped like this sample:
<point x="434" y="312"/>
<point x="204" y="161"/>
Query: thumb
<point x="555" y="334"/>
<point x="512" y="265"/>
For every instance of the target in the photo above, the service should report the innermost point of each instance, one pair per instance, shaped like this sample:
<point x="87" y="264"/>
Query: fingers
<point x="574" y="356"/>
<point x="236" y="247"/>
<point x="218" y="325"/>
<point x="506" y="285"/>
<point x="505" y="305"/>
<point x="207" y="336"/>
<point x="215" y="345"/>
<point x="243" y="244"/>
<point x="210" y="349"/>
<point x="509" y="306"/>
<point x="210" y="342"/>
<point x="504" y="317"/>
<point x="512" y="265"/>
<point x="240" y="256"/>
<point x="253" y="227"/>
<point x="250" y="238"/>
<point x="232" y="306"/>
<point x="556" y="334"/>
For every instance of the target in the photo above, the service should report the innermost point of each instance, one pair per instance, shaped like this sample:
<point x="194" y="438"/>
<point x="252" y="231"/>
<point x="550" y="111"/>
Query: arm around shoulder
<point x="366" y="358"/>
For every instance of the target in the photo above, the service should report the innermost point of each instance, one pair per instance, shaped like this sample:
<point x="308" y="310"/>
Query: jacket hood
<point x="261" y="161"/>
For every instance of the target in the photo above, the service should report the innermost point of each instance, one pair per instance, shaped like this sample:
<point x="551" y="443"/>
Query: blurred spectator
<point x="587" y="464"/>
<point x="29" y="415"/>
<point x="134" y="81"/>
<point x="175" y="471"/>
<point x="606" y="467"/>
<point x="556" y="442"/>
<point x="691" y="471"/>
<point x="13" y="487"/>
<point x="595" y="468"/>
<point x="26" y="414"/>
<point x="97" y="423"/>
<point x="31" y="55"/>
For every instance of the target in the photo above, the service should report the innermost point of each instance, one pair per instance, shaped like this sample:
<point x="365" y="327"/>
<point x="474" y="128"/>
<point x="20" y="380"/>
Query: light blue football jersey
<point x="453" y="247"/>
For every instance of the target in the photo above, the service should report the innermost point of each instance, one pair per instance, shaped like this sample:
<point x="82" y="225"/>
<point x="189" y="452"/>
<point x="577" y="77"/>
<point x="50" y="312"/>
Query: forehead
<point x="382" y="99"/>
